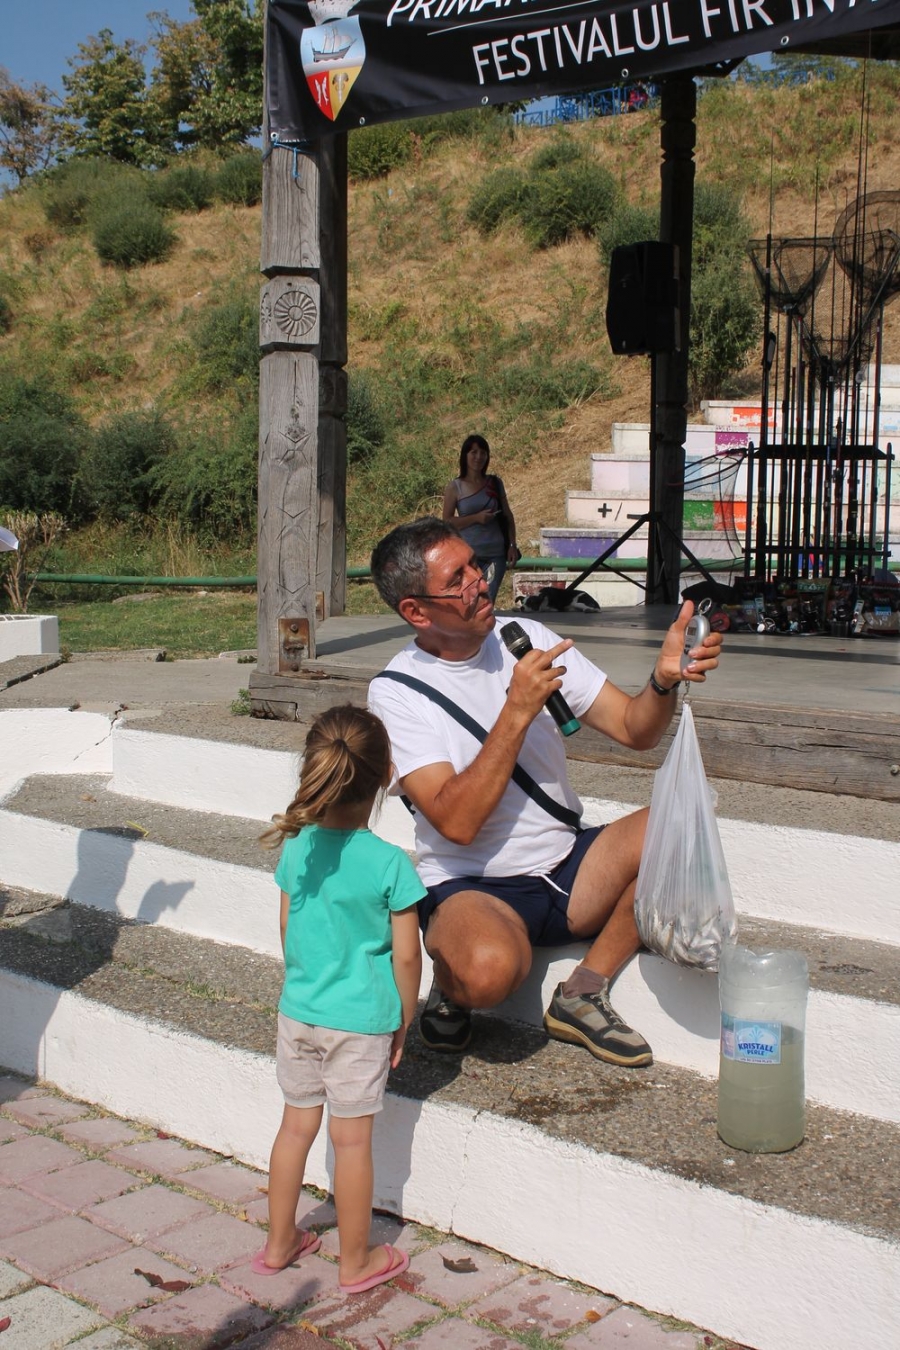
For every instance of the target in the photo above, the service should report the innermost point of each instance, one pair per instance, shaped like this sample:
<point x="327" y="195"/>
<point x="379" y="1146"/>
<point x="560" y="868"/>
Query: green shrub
<point x="131" y="233"/>
<point x="366" y="427"/>
<point x="487" y="125"/>
<point x="726" y="321"/>
<point x="239" y="180"/>
<point x="226" y="340"/>
<point x="209" y="481"/>
<point x="537" y="386"/>
<point x="6" y="315"/>
<point x="498" y="198"/>
<point x="182" y="188"/>
<point x="73" y="194"/>
<point x="573" y="199"/>
<point x="628" y="224"/>
<point x="720" y="225"/>
<point x="21" y="396"/>
<point x="83" y="363"/>
<point x="117" y="463"/>
<point x="387" y="490"/>
<point x="557" y="152"/>
<point x="38" y="463"/>
<point x="372" y="152"/>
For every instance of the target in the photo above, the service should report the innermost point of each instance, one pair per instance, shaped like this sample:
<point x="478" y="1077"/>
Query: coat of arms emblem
<point x="332" y="54"/>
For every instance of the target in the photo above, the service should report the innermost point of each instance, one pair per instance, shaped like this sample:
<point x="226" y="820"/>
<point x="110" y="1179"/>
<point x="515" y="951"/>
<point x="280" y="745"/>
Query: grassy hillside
<point x="451" y="331"/>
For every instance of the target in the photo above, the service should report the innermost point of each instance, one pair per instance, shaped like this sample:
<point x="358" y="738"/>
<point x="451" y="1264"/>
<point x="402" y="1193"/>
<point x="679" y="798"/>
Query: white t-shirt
<point x="519" y="838"/>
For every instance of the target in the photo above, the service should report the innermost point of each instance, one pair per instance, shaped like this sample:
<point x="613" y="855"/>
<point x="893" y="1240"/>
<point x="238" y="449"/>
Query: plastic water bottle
<point x="762" y="1099"/>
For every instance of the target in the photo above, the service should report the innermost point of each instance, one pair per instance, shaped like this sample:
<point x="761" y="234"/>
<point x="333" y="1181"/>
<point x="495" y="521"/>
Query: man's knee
<point x="486" y="973"/>
<point x="496" y="970"/>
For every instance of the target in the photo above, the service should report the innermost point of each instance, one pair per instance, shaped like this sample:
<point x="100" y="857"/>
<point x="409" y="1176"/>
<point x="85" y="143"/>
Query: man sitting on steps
<point x="506" y="870"/>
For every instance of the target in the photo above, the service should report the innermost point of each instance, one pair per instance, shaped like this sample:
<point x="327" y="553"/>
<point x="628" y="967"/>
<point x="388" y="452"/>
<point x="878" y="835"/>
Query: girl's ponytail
<point x="347" y="759"/>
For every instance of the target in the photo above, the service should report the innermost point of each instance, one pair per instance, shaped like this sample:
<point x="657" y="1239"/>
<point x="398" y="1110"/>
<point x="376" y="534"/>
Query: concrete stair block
<point x="70" y="836"/>
<point x="232" y="779"/>
<point x="611" y="512"/>
<point x="778" y="871"/>
<point x="747" y="416"/>
<point x="204" y="874"/>
<point x="609" y="1156"/>
<point x="184" y="1009"/>
<point x="28" y="635"/>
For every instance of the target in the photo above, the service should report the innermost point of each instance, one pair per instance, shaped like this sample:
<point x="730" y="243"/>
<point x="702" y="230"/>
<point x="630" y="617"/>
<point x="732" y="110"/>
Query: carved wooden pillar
<point x="301" y="563"/>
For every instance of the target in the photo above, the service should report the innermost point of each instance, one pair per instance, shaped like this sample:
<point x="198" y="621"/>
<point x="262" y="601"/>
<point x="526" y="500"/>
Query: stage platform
<point x="804" y="711"/>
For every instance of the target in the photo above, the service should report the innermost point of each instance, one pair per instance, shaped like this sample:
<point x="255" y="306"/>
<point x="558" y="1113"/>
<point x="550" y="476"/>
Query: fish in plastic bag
<point x="683" y="907"/>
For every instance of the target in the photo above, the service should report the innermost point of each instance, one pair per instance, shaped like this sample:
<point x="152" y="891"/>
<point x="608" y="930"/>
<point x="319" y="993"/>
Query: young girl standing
<point x="352" y="969"/>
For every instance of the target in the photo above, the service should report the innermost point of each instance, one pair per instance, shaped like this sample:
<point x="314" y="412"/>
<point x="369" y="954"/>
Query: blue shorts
<point x="542" y="902"/>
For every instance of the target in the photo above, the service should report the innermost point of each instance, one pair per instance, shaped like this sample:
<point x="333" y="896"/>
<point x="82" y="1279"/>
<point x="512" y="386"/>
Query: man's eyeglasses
<point x="466" y="593"/>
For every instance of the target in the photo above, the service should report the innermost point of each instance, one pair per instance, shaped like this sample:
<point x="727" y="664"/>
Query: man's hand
<point x="458" y="804"/>
<point x="535" y="678"/>
<point x="703" y="658"/>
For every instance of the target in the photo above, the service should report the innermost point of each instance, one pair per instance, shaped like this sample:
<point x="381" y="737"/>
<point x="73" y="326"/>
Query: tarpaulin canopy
<point x="333" y="65"/>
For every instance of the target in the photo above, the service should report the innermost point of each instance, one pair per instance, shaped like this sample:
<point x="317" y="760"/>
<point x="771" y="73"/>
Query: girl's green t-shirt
<point x="343" y="886"/>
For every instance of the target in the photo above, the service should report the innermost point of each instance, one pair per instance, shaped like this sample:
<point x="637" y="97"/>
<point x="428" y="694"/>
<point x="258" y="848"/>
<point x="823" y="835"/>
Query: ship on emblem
<point x="330" y="49"/>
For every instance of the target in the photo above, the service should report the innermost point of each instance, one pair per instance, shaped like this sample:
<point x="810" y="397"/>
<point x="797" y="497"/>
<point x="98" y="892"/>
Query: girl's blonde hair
<point x="346" y="760"/>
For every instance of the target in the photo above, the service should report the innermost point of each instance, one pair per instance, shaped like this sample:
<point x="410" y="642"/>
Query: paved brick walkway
<point x="112" y="1236"/>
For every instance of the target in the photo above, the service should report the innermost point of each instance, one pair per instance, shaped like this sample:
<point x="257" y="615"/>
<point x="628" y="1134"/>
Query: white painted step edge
<point x="203" y="775"/>
<point x="785" y="873"/>
<point x="52" y="740"/>
<point x="757" y="1274"/>
<point x="852" y="1044"/>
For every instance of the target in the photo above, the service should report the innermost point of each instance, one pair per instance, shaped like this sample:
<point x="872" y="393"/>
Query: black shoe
<point x="444" y="1025"/>
<point x="589" y="1020"/>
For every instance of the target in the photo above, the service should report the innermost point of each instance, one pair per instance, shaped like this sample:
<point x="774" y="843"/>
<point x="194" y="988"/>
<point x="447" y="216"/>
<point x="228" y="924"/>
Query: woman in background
<point x="476" y="505"/>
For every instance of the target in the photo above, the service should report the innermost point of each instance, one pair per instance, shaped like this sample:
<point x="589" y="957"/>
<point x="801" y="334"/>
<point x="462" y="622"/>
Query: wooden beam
<point x="815" y="751"/>
<point x="301" y="547"/>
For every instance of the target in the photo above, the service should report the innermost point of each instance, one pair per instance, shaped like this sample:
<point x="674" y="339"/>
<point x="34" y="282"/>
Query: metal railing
<point x="353" y="574"/>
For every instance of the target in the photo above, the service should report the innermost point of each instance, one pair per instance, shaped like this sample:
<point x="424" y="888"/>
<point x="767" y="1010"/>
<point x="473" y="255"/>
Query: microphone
<point x="518" y="643"/>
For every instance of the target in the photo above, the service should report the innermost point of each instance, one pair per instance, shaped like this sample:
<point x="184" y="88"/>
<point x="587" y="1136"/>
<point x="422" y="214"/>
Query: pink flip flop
<point x="309" y="1244"/>
<point x="397" y="1263"/>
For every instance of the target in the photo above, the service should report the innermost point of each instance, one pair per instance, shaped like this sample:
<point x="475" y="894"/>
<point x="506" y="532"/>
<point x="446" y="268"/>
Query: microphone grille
<point x="514" y="637"/>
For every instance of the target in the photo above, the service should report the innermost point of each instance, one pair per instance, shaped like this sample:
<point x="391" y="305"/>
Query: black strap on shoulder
<point x="520" y="776"/>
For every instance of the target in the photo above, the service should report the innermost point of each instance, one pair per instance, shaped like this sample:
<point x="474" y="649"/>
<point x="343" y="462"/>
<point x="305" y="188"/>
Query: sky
<point x="38" y="36"/>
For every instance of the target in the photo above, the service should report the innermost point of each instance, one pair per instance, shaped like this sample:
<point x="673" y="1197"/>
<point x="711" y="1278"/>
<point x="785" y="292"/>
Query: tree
<point x="725" y="315"/>
<point x="29" y="134"/>
<point x="206" y="87"/>
<point x="41" y="439"/>
<point x="183" y="76"/>
<point x="106" y="107"/>
<point x="236" y="27"/>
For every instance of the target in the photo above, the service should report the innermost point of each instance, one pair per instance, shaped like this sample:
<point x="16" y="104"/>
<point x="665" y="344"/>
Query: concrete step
<point x="629" y="470"/>
<point x="798" y="865"/>
<point x="613" y="1159"/>
<point x="205" y="876"/>
<point x="196" y="872"/>
<point x="747" y="416"/>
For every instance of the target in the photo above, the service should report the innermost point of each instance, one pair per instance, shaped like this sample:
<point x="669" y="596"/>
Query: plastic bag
<point x="683" y="904"/>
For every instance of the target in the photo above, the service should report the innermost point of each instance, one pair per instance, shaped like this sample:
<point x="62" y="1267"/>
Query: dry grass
<point x="417" y="266"/>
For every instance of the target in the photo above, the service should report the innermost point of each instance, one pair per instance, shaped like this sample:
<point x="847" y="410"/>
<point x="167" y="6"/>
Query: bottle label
<point x="750" y="1042"/>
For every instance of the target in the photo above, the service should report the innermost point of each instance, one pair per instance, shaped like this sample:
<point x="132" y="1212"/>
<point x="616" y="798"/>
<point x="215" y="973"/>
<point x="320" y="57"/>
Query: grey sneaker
<point x="589" y="1020"/>
<point x="444" y="1025"/>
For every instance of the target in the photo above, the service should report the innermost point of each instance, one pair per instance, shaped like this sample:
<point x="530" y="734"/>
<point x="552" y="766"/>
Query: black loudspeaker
<point x="642" y="308"/>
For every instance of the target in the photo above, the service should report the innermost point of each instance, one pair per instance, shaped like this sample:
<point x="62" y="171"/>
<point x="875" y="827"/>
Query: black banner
<point x="333" y="65"/>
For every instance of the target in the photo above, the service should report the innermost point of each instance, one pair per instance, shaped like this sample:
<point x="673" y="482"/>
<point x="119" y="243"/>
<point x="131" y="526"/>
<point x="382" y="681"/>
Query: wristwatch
<point x="661" y="688"/>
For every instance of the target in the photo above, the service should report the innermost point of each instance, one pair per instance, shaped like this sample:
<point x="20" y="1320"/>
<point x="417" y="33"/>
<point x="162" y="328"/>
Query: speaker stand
<point x="659" y="529"/>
